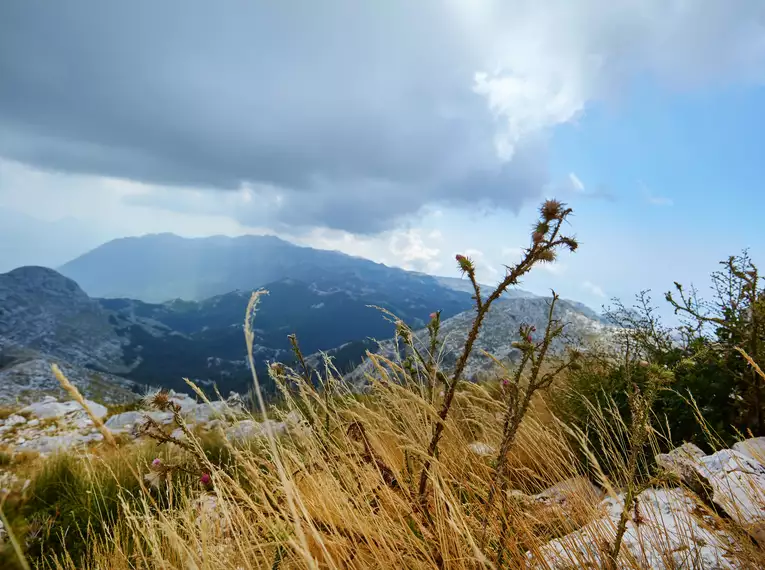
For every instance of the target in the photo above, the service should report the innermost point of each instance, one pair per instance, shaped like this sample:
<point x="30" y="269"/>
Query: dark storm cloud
<point x="355" y="113"/>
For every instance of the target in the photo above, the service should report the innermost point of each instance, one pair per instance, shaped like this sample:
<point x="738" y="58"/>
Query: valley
<point x="46" y="316"/>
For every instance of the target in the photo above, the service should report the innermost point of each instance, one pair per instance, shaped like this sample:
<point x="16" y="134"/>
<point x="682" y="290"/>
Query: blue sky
<point x="685" y="170"/>
<point x="341" y="128"/>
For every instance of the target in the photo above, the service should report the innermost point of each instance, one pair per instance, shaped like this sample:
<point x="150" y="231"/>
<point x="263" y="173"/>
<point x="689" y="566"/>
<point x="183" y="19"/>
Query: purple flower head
<point x="205" y="479"/>
<point x="157" y="462"/>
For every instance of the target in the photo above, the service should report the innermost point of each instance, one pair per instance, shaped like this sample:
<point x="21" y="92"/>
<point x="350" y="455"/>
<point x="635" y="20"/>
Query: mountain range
<point x="156" y="309"/>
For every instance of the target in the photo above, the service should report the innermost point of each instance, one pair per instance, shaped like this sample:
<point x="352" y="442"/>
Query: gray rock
<point x="753" y="448"/>
<point x="682" y="462"/>
<point x="185" y="401"/>
<point x="14" y="420"/>
<point x="667" y="536"/>
<point x="250" y="429"/>
<point x="204" y="412"/>
<point x="51" y="408"/>
<point x="128" y="421"/>
<point x="244" y="430"/>
<point x="730" y="479"/>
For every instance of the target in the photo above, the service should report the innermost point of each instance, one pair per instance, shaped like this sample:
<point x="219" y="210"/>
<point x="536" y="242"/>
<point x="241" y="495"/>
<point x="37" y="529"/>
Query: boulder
<point x="47" y="444"/>
<point x="185" y="401"/>
<point x="128" y="421"/>
<point x="682" y="462"/>
<point x="565" y="506"/>
<point x="730" y="479"/>
<point x="244" y="430"/>
<point x="663" y="532"/>
<point x="49" y="407"/>
<point x="753" y="448"/>
<point x="204" y="412"/>
<point x="14" y="420"/>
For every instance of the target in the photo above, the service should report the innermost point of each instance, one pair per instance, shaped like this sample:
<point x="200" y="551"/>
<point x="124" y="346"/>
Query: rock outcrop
<point x="667" y="528"/>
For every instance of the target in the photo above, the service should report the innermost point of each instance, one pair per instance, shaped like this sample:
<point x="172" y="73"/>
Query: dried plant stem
<point x="75" y="394"/>
<point x="545" y="242"/>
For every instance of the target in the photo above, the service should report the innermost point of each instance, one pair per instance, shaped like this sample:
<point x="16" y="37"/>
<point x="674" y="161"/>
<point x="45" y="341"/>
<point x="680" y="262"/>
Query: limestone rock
<point x="49" y="407"/>
<point x="753" y="448"/>
<point x="663" y="533"/>
<point x="482" y="449"/>
<point x="14" y="420"/>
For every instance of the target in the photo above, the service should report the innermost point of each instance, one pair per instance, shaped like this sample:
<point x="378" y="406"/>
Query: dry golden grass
<point x="352" y="480"/>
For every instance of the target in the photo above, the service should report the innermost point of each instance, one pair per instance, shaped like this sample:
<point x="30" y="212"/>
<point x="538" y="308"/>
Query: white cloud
<point x="593" y="289"/>
<point x="410" y="251"/>
<point x="545" y="63"/>
<point x="576" y="182"/>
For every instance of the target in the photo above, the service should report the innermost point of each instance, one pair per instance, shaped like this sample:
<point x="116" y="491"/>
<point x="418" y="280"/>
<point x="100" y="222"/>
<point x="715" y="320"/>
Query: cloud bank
<point x="337" y="114"/>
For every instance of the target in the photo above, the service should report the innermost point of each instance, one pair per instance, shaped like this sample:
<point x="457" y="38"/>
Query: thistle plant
<point x="641" y="404"/>
<point x="150" y="428"/>
<point x="546" y="242"/>
<point x="520" y="390"/>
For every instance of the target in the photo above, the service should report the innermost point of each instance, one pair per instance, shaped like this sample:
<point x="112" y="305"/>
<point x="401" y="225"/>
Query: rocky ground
<point x="667" y="529"/>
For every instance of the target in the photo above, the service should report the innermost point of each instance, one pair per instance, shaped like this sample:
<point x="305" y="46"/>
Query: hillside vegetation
<point x="558" y="459"/>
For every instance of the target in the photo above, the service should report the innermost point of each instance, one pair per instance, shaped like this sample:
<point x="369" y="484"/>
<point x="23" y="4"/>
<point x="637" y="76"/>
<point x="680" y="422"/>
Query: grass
<point x="352" y="480"/>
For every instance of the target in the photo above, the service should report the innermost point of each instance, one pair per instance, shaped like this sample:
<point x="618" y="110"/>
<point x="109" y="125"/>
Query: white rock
<point x="33" y="423"/>
<point x="127" y="421"/>
<point x="482" y="449"/>
<point x="15" y="420"/>
<point x="244" y="430"/>
<point x="60" y="442"/>
<point x="204" y="412"/>
<point x="178" y="434"/>
<point x="50" y="408"/>
<point x="183" y="400"/>
<point x="738" y="482"/>
<point x="124" y="422"/>
<point x="666" y="535"/>
<point x="753" y="448"/>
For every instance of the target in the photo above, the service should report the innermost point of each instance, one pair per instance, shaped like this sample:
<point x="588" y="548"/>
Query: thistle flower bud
<point x="571" y="243"/>
<point x="551" y="210"/>
<point x="547" y="255"/>
<point x="159" y="400"/>
<point x="404" y="332"/>
<point x="464" y="264"/>
<point x="537" y="237"/>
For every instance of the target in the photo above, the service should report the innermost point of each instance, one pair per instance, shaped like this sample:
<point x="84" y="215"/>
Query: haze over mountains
<point x="155" y="309"/>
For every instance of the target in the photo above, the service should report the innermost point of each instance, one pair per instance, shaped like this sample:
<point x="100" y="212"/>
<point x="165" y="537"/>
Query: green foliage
<point x="710" y="377"/>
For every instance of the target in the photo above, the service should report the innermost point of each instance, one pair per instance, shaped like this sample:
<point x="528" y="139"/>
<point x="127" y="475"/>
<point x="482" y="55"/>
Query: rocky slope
<point x="42" y="310"/>
<point x="160" y="344"/>
<point x="26" y="376"/>
<point x="500" y="330"/>
<point x="669" y="527"/>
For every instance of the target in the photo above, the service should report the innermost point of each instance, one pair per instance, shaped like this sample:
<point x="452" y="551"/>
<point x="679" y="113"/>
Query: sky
<point x="404" y="132"/>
